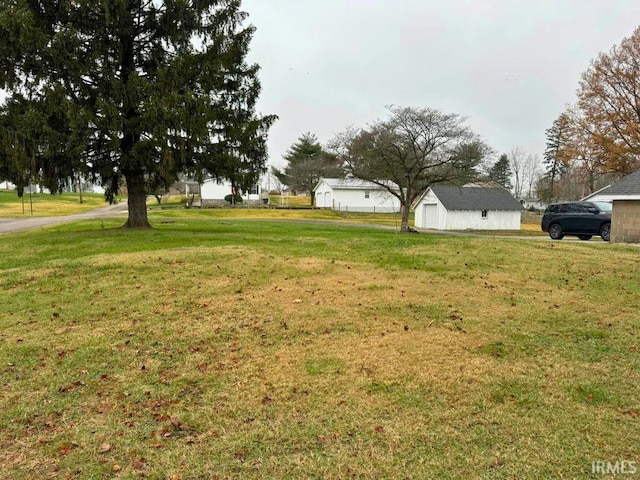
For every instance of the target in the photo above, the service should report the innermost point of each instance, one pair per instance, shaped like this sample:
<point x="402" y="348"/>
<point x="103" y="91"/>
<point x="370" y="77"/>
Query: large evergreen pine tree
<point x="555" y="161"/>
<point x="501" y="172"/>
<point x="307" y="162"/>
<point x="133" y="90"/>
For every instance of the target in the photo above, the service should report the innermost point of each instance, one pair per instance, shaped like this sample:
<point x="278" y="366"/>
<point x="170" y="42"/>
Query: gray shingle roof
<point x="352" y="184"/>
<point x="629" y="185"/>
<point x="475" y="198"/>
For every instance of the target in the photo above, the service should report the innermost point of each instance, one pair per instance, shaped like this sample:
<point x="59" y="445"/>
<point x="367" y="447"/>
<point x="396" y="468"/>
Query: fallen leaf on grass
<point x="65" y="448"/>
<point x="240" y="455"/>
<point x="71" y="387"/>
<point x="203" y="366"/>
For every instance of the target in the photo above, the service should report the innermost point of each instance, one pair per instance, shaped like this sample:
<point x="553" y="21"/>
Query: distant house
<point x="532" y="203"/>
<point x="354" y="195"/>
<point x="446" y="207"/>
<point x="625" y="218"/>
<point x="214" y="191"/>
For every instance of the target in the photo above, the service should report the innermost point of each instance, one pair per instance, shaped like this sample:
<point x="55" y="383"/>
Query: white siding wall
<point x="472" y="220"/>
<point x="354" y="200"/>
<point x="212" y="190"/>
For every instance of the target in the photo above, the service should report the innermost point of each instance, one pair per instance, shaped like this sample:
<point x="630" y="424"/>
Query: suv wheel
<point x="584" y="237"/>
<point x="605" y="232"/>
<point x="555" y="232"/>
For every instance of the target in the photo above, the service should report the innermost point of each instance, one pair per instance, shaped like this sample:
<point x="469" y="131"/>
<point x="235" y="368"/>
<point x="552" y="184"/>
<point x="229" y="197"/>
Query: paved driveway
<point x="8" y="225"/>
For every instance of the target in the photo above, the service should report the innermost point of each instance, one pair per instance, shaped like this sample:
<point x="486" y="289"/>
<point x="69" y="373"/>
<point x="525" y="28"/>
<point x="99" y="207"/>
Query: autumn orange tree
<point x="609" y="104"/>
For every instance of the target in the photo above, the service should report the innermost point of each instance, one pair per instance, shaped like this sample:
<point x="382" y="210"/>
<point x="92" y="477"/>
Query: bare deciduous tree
<point x="531" y="172"/>
<point x="411" y="150"/>
<point x="517" y="160"/>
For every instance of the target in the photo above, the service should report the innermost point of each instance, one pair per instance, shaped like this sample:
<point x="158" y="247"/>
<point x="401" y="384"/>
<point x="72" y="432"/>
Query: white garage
<point x="447" y="207"/>
<point x="354" y="195"/>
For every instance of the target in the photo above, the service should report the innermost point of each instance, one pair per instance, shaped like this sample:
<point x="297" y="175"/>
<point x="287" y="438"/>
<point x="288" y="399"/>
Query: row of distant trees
<point x="597" y="139"/>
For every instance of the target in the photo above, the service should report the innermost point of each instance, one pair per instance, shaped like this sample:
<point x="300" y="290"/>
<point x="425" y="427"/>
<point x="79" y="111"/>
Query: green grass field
<point x="45" y="205"/>
<point x="243" y="348"/>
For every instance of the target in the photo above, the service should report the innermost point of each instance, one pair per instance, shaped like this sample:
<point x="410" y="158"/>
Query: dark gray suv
<point x="582" y="219"/>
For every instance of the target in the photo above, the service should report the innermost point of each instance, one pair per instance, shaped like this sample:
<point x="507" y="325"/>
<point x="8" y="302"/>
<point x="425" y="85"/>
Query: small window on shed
<point x="485" y="213"/>
<point x="366" y="194"/>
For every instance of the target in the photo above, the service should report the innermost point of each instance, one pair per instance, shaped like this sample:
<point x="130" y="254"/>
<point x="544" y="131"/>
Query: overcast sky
<point x="510" y="66"/>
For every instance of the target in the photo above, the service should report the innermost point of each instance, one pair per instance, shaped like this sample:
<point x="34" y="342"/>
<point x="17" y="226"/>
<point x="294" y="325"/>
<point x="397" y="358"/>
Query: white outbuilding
<point x="447" y="207"/>
<point x="354" y="195"/>
<point x="214" y="191"/>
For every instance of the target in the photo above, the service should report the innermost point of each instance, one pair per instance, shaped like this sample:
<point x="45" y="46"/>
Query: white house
<point x="354" y="195"/>
<point x="534" y="203"/>
<point x="214" y="191"/>
<point x="446" y="207"/>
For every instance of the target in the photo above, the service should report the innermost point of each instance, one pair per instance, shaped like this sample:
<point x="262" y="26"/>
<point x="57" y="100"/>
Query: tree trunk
<point x="404" y="224"/>
<point x="132" y="169"/>
<point x="137" y="201"/>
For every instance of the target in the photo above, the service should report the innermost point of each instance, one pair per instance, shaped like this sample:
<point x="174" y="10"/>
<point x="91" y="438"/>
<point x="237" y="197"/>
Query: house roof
<point x="475" y="198"/>
<point x="626" y="186"/>
<point x="350" y="184"/>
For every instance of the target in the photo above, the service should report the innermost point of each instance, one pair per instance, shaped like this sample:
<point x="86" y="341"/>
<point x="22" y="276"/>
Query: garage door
<point x="430" y="216"/>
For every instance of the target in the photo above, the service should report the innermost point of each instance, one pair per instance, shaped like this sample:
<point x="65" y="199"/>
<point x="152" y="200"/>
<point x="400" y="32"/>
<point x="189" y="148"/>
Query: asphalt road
<point x="8" y="225"/>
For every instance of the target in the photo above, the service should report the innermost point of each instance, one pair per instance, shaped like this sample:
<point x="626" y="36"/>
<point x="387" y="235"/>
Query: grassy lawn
<point x="45" y="205"/>
<point x="233" y="348"/>
<point x="296" y="214"/>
